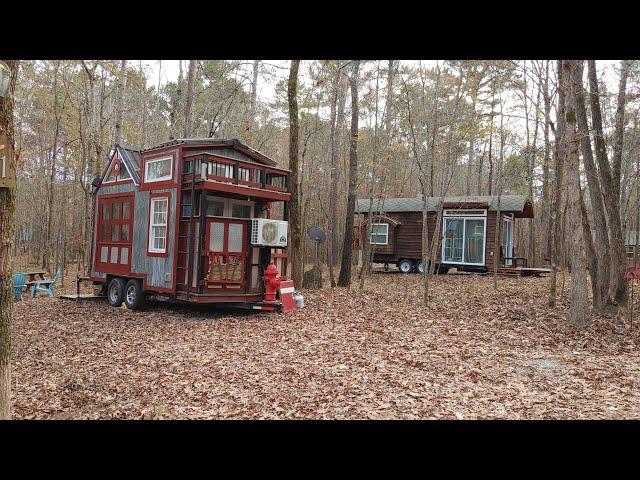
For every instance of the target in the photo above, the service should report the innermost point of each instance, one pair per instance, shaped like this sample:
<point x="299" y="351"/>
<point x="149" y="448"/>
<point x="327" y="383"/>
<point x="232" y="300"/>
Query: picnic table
<point x="35" y="276"/>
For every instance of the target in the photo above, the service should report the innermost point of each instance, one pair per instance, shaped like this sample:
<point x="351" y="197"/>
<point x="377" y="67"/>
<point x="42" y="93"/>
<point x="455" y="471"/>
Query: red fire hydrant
<point x="271" y="283"/>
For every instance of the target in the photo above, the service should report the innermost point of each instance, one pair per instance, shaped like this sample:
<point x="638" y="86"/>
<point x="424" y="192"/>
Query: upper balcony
<point x="220" y="173"/>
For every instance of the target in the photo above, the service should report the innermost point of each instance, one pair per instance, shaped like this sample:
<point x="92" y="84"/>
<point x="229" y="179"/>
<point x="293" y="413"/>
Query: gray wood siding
<point x="153" y="267"/>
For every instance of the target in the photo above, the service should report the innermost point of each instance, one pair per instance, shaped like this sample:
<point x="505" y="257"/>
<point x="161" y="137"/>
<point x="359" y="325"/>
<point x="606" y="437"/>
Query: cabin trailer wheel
<point x="405" y="266"/>
<point x="420" y="267"/>
<point x="115" y="292"/>
<point x="133" y="294"/>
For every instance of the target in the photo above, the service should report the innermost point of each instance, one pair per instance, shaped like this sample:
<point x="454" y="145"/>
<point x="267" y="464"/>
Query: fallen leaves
<point x="471" y="353"/>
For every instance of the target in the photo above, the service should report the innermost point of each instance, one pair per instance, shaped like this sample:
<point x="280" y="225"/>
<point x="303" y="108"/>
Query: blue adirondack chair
<point x="19" y="282"/>
<point x="46" y="286"/>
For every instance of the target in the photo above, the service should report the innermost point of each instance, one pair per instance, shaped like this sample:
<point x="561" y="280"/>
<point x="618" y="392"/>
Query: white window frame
<point x="155" y="160"/>
<point x="464" y="215"/>
<point x="386" y="234"/>
<point x="151" y="248"/>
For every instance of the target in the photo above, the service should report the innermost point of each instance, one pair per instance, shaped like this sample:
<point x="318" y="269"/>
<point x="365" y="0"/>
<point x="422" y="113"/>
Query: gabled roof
<point x="214" y="142"/>
<point x="131" y="159"/>
<point x="508" y="203"/>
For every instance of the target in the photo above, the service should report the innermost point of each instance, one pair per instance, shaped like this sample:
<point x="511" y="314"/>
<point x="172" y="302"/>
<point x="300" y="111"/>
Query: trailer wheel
<point x="133" y="294"/>
<point x="420" y="267"/>
<point x="405" y="266"/>
<point x="115" y="292"/>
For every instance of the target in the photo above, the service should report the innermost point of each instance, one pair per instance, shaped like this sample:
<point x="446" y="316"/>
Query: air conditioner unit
<point x="272" y="233"/>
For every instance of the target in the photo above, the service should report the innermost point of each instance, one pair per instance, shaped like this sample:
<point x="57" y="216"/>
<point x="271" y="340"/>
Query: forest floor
<point x="472" y="353"/>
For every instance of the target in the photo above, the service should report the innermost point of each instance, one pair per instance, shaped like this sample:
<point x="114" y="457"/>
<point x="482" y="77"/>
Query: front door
<point x="114" y="234"/>
<point x="227" y="254"/>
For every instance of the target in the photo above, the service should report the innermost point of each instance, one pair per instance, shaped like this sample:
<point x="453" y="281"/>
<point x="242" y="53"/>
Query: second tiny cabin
<point x="189" y="220"/>
<point x="468" y="231"/>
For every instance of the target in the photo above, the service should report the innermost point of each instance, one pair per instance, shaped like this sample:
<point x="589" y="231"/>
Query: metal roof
<point x="508" y="203"/>
<point x="217" y="142"/>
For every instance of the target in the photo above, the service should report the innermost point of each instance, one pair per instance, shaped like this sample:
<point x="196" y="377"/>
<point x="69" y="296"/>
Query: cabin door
<point x="114" y="234"/>
<point x="227" y="251"/>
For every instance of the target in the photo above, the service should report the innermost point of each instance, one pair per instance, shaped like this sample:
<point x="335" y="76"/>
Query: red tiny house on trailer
<point x="179" y="223"/>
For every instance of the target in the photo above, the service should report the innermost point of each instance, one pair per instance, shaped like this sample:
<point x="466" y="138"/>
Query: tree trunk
<point x="294" y="204"/>
<point x="345" y="269"/>
<point x="7" y="230"/>
<point x="610" y="180"/>
<point x="122" y="85"/>
<point x="579" y="311"/>
<point x="600" y="275"/>
<point x="175" y="105"/>
<point x="559" y="153"/>
<point x="340" y="94"/>
<point x="546" y="200"/>
<point x="188" y="107"/>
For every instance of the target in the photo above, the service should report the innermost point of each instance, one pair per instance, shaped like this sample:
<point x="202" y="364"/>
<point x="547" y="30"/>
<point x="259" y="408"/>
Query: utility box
<point x="7" y="167"/>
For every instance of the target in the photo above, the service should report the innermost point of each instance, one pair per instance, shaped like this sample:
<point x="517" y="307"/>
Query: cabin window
<point x="158" y="225"/>
<point x="239" y="210"/>
<point x="187" y="165"/>
<point x="630" y="251"/>
<point x="507" y="240"/>
<point x="221" y="169"/>
<point x="277" y="180"/>
<point x="124" y="173"/>
<point x="225" y="207"/>
<point x="464" y="240"/>
<point x="158" y="169"/>
<point x="243" y="174"/>
<point x="379" y="234"/>
<point x="215" y="208"/>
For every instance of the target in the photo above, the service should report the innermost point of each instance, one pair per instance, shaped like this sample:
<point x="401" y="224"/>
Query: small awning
<point x="385" y="219"/>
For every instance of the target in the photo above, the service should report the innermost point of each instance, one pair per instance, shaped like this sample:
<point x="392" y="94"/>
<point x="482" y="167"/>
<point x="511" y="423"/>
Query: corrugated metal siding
<point x="154" y="267"/>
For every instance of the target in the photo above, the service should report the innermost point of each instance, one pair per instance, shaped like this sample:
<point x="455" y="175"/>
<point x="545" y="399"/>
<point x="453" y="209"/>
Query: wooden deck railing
<point x="238" y="172"/>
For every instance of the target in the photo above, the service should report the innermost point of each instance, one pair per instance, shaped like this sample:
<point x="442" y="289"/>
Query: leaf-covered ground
<point x="472" y="353"/>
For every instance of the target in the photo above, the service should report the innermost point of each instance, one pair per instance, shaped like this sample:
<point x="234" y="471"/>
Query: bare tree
<point x="610" y="176"/>
<point x="559" y="155"/>
<point x="120" y="91"/>
<point x="600" y="270"/>
<point x="7" y="229"/>
<point x="579" y="311"/>
<point x="340" y="85"/>
<point x="345" y="268"/>
<point x="188" y="107"/>
<point x="294" y="204"/>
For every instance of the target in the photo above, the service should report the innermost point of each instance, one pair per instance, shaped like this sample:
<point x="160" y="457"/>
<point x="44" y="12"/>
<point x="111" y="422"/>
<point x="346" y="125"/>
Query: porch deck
<point x="520" y="271"/>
